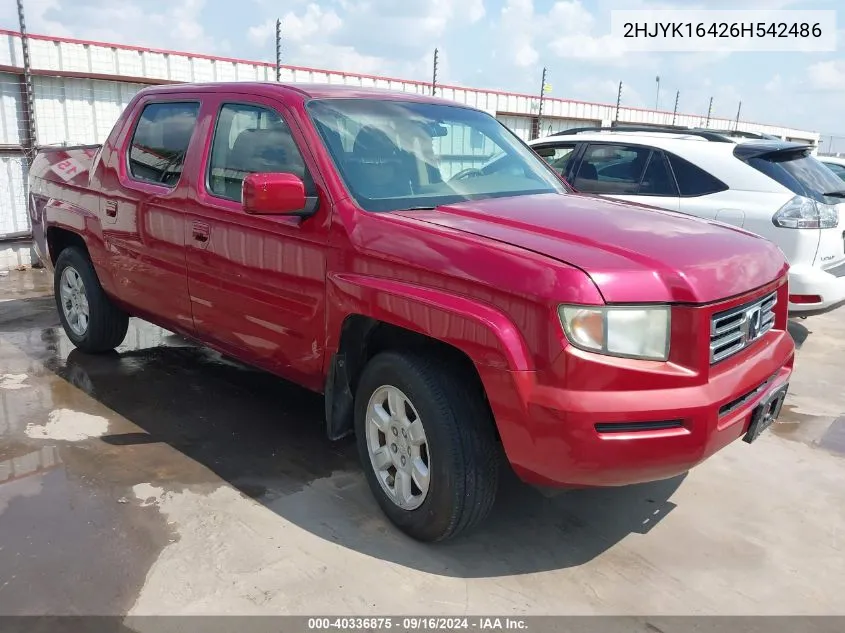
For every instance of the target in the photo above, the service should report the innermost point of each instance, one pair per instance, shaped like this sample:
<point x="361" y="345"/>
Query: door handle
<point x="201" y="231"/>
<point x="111" y="208"/>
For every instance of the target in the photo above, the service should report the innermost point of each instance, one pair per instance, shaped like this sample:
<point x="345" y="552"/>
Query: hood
<point x="632" y="253"/>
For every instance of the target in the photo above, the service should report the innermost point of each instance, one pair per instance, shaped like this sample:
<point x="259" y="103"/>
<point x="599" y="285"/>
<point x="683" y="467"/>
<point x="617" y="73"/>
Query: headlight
<point x="627" y="331"/>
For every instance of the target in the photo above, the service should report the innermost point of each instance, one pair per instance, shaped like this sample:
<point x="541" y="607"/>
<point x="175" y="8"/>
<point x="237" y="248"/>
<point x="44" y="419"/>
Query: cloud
<point x="517" y="25"/>
<point x="38" y="17"/>
<point x="605" y="91"/>
<point x="688" y="62"/>
<point x="166" y="25"/>
<point x="568" y="30"/>
<point x="827" y="76"/>
<point x="775" y="84"/>
<point x="407" y="34"/>
<point x="297" y="28"/>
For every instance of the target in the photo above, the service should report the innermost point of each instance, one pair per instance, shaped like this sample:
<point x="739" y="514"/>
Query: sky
<point x="496" y="44"/>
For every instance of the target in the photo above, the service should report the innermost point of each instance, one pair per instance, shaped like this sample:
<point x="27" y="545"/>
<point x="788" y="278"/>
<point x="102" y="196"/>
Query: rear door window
<point x="801" y="173"/>
<point x="559" y="156"/>
<point x="624" y="170"/>
<point x="692" y="180"/>
<point x="657" y="179"/>
<point x="160" y="142"/>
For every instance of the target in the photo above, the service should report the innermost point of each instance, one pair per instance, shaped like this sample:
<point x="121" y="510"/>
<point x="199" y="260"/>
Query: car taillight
<point x="804" y="213"/>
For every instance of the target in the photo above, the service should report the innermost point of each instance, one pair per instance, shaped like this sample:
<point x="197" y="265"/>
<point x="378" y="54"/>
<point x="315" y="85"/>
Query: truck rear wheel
<point x="427" y="445"/>
<point x="91" y="321"/>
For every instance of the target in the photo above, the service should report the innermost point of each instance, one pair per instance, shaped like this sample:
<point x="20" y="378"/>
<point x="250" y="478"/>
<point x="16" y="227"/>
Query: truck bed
<point x="64" y="164"/>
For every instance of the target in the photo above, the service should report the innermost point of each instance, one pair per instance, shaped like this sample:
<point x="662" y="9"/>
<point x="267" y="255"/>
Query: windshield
<point x="801" y="174"/>
<point x="400" y="155"/>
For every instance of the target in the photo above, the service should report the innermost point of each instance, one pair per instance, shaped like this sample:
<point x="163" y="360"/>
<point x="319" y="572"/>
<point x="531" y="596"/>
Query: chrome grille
<point x="735" y="329"/>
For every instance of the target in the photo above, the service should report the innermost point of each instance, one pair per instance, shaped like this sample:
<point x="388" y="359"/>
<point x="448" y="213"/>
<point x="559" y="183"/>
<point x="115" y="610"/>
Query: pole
<point x="675" y="111"/>
<point x="542" y="91"/>
<point x="738" y="110"/>
<point x="535" y="133"/>
<point x="434" y="74"/>
<point x="657" y="98"/>
<point x="618" y="101"/>
<point x="278" y="50"/>
<point x="29" y="99"/>
<point x="709" y="111"/>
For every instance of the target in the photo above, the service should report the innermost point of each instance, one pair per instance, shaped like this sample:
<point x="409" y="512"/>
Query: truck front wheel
<point x="427" y="445"/>
<point x="90" y="319"/>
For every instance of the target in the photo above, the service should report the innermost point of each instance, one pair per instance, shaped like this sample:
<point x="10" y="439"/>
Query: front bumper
<point x="808" y="280"/>
<point x="596" y="421"/>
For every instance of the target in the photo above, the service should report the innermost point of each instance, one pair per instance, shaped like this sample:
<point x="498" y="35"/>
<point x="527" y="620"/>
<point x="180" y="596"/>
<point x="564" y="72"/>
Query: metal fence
<point x="831" y="145"/>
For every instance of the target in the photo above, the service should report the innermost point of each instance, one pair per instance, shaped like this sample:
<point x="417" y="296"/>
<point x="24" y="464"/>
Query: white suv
<point x="834" y="164"/>
<point x="773" y="188"/>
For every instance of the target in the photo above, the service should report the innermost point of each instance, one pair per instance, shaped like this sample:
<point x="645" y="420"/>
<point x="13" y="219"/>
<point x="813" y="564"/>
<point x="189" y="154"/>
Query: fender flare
<point x="483" y="333"/>
<point x="494" y="339"/>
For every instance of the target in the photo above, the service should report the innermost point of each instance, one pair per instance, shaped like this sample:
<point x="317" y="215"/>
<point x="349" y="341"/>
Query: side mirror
<point x="274" y="194"/>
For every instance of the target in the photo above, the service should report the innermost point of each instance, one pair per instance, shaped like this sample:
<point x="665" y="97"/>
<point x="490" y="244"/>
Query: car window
<point x="160" y="142"/>
<point x="394" y="154"/>
<point x="799" y="172"/>
<point x="251" y="139"/>
<point x="692" y="180"/>
<point x="561" y="158"/>
<point x="612" y="169"/>
<point x="837" y="169"/>
<point x="657" y="179"/>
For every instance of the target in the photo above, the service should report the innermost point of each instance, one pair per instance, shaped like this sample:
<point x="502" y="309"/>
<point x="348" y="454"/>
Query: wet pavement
<point x="164" y="478"/>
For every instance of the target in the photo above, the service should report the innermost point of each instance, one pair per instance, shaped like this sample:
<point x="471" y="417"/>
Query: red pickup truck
<point x="352" y="241"/>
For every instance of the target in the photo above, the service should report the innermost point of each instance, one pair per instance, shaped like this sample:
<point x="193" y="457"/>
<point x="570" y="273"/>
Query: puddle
<point x="66" y="545"/>
<point x="814" y="430"/>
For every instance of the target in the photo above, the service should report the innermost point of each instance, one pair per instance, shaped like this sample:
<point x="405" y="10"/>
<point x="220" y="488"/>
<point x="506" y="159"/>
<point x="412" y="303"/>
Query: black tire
<point x="107" y="324"/>
<point x="461" y="441"/>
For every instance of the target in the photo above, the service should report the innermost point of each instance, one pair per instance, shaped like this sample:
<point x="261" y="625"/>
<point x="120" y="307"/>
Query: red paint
<point x="485" y="277"/>
<point x="273" y="194"/>
<point x="805" y="299"/>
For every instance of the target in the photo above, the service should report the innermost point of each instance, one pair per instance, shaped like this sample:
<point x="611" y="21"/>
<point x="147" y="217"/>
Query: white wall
<point x="83" y="109"/>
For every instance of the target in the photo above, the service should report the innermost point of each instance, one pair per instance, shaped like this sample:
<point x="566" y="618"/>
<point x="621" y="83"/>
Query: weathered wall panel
<point x="71" y="109"/>
<point x="14" y="220"/>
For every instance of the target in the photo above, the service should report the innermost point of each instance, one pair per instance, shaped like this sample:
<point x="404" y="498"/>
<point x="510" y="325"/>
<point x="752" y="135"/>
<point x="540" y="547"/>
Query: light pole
<point x="657" y="98"/>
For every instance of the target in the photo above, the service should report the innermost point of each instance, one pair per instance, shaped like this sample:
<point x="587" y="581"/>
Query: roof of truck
<point x="306" y="90"/>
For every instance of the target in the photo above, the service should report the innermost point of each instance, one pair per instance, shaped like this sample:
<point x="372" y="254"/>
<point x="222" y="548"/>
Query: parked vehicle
<point x="344" y="238"/>
<point x="834" y="164"/>
<point x="775" y="189"/>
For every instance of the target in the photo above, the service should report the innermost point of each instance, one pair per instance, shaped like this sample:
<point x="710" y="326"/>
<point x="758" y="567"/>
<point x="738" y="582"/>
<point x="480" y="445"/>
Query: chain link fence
<point x="830" y="145"/>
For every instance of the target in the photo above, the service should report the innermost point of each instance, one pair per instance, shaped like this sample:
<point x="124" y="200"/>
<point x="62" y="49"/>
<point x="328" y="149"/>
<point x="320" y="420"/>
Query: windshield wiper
<point x="423" y="208"/>
<point x="835" y="194"/>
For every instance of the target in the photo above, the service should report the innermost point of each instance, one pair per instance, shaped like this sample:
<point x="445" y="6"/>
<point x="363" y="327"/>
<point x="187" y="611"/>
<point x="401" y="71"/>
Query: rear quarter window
<point x="692" y="180"/>
<point x="160" y="141"/>
<point x="802" y="174"/>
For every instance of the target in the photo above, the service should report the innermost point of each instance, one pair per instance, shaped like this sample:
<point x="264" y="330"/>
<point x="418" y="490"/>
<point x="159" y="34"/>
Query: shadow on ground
<point x="798" y="331"/>
<point x="264" y="436"/>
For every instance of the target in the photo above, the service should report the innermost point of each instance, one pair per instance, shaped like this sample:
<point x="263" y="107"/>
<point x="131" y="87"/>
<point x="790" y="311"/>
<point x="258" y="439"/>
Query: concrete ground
<point x="165" y="479"/>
